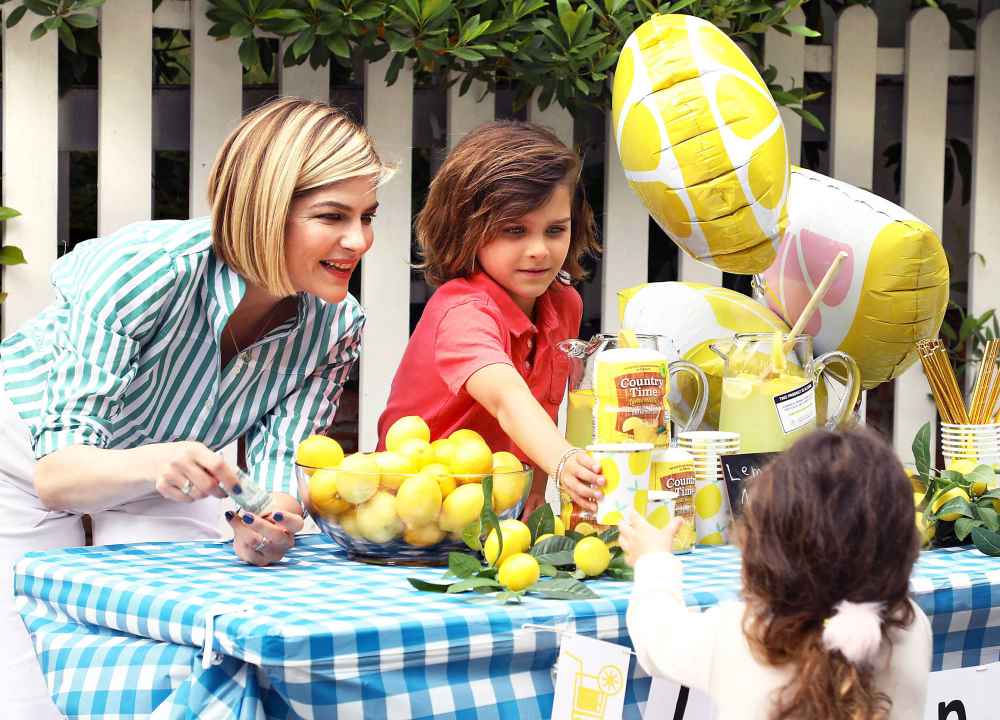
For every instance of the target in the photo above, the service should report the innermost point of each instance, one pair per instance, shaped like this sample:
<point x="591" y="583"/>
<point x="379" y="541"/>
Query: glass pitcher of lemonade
<point x="634" y="367"/>
<point x="769" y="389"/>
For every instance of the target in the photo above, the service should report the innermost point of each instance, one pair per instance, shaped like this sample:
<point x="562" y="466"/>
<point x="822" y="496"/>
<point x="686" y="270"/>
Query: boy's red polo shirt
<point x="468" y="324"/>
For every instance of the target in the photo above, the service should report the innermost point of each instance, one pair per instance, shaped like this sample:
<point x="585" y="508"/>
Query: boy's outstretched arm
<point x="506" y="396"/>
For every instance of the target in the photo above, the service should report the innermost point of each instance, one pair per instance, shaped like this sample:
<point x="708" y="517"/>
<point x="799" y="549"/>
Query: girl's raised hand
<point x="637" y="537"/>
<point x="581" y="477"/>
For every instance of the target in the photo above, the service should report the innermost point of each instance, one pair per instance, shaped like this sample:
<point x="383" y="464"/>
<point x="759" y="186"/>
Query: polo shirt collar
<point x="517" y="321"/>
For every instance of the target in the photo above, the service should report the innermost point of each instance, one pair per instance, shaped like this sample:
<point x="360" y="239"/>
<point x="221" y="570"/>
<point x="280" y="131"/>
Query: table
<point x="120" y="632"/>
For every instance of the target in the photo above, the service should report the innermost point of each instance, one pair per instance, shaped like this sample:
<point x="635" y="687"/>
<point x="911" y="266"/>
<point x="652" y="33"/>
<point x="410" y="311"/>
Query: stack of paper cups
<point x="711" y="503"/>
<point x="977" y="443"/>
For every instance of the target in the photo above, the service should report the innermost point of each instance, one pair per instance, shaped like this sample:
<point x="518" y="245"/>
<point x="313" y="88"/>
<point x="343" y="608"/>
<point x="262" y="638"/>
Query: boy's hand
<point x="581" y="477"/>
<point x="637" y="537"/>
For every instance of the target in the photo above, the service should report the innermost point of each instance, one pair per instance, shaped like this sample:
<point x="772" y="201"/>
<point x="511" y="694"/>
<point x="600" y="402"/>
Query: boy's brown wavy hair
<point x="830" y="519"/>
<point x="497" y="173"/>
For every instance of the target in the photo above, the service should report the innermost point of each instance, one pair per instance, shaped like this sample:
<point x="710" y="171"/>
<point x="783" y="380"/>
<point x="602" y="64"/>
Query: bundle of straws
<point x="982" y="408"/>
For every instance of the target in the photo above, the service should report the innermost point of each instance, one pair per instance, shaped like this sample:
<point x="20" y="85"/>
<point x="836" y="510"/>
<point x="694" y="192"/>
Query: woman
<point x="168" y="340"/>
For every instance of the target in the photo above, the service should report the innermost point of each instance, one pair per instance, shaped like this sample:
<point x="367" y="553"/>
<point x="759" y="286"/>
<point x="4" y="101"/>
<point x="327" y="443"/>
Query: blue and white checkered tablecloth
<point x="120" y="629"/>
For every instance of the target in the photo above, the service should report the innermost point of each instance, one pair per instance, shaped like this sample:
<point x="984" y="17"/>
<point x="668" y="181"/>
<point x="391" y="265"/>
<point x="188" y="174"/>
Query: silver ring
<point x="259" y="547"/>
<point x="188" y="486"/>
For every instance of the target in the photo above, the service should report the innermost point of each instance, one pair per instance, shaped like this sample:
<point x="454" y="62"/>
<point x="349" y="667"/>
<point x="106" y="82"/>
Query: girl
<point x="167" y="340"/>
<point x="502" y="234"/>
<point x="826" y="630"/>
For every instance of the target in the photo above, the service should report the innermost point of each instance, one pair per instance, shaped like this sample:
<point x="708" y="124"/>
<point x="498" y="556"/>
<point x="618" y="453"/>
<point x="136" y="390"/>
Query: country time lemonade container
<point x="672" y="477"/>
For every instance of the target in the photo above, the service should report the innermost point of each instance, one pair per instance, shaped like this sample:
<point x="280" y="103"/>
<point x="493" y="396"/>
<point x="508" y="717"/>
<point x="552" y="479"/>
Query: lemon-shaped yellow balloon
<point x="701" y="142"/>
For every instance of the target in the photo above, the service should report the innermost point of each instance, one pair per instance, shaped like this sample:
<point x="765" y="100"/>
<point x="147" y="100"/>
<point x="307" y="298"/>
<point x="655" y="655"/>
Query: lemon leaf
<point x="563" y="589"/>
<point x="542" y="521"/>
<point x="963" y="526"/>
<point x="609" y="535"/>
<point x="547" y="570"/>
<point x="428" y="586"/>
<point x="461" y="565"/>
<point x="511" y="596"/>
<point x="554" y="544"/>
<point x="982" y="473"/>
<point x="922" y="449"/>
<point x="989" y="517"/>
<point x="956" y="505"/>
<point x="471" y="536"/>
<point x="987" y="541"/>
<point x="473" y="583"/>
<point x="558" y="559"/>
<point x="993" y="494"/>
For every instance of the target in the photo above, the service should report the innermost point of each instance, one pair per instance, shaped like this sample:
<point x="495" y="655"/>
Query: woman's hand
<point x="265" y="539"/>
<point x="637" y="537"/>
<point x="189" y="471"/>
<point x="581" y="477"/>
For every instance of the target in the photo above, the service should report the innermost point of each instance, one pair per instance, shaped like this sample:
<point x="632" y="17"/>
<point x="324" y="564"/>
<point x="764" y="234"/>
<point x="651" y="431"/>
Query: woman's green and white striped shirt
<point x="128" y="354"/>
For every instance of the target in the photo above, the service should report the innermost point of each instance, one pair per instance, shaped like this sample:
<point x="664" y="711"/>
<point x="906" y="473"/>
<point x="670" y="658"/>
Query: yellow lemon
<point x="543" y="537"/>
<point x="357" y="478"/>
<point x="585" y="528"/>
<point x="349" y="522"/>
<point x="466" y="434"/>
<point x="461" y="507"/>
<point x="508" y="488"/>
<point x="926" y="530"/>
<point x="423" y="536"/>
<point x="319" y="451"/>
<point x="591" y="556"/>
<point x="323" y="493"/>
<point x="377" y="518"/>
<point x="612" y="518"/>
<point x="506" y="462"/>
<point x="518" y="530"/>
<point x="708" y="501"/>
<point x="518" y="572"/>
<point x="443" y="450"/>
<point x="406" y="428"/>
<point x="713" y="539"/>
<point x="513" y="543"/>
<point x="394" y="468"/>
<point x="609" y="469"/>
<point x="473" y="458"/>
<point x="442" y="475"/>
<point x="918" y="484"/>
<point x="418" y="500"/>
<point x="560" y="526"/>
<point x="418" y="451"/>
<point x="941" y="498"/>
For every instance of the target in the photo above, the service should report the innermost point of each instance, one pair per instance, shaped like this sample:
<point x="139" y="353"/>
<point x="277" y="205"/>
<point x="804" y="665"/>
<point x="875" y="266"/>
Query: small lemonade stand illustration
<point x="591" y="692"/>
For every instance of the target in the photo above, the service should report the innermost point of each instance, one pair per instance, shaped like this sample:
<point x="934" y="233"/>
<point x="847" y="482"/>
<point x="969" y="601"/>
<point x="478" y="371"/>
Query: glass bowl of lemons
<point x="410" y="504"/>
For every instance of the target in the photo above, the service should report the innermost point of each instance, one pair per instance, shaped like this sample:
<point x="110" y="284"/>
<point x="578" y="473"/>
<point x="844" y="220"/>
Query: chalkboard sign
<point x="739" y="471"/>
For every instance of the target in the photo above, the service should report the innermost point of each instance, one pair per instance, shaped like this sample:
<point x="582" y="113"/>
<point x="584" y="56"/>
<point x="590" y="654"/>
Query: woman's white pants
<point x="25" y="525"/>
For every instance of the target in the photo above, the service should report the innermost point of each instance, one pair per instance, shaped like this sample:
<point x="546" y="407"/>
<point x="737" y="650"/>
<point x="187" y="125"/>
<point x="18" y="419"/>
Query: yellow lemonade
<point x="580" y="418"/>
<point x="768" y="412"/>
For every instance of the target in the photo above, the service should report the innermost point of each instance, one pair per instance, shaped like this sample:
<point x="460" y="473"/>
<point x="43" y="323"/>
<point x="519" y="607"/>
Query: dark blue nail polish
<point x="278" y="516"/>
<point x="230" y="515"/>
<point x="237" y="490"/>
<point x="248" y="519"/>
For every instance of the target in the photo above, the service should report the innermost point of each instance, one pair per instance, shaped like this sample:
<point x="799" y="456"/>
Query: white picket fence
<point x="31" y="147"/>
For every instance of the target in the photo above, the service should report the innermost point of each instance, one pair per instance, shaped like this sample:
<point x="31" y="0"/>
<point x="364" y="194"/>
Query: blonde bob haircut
<point x="280" y="151"/>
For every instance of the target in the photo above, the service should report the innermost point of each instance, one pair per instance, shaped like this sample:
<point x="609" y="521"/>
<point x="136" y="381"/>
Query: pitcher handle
<point x="701" y="400"/>
<point x="853" y="391"/>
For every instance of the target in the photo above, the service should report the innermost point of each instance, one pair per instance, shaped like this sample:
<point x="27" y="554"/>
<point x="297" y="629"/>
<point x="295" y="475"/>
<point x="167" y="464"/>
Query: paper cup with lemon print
<point x="711" y="512"/>
<point x="890" y="292"/>
<point x="690" y="317"/>
<point x="625" y="468"/>
<point x="701" y="142"/>
<point x="661" y="508"/>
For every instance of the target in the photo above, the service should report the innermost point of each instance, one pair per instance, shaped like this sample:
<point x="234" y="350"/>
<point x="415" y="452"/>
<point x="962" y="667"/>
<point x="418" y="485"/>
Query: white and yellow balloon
<point x="701" y="142"/>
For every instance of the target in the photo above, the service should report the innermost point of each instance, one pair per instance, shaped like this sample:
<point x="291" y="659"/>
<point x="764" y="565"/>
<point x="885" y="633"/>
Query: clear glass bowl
<point x="373" y="532"/>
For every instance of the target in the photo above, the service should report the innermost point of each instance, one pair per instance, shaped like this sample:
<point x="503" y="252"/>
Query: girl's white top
<point x="708" y="650"/>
